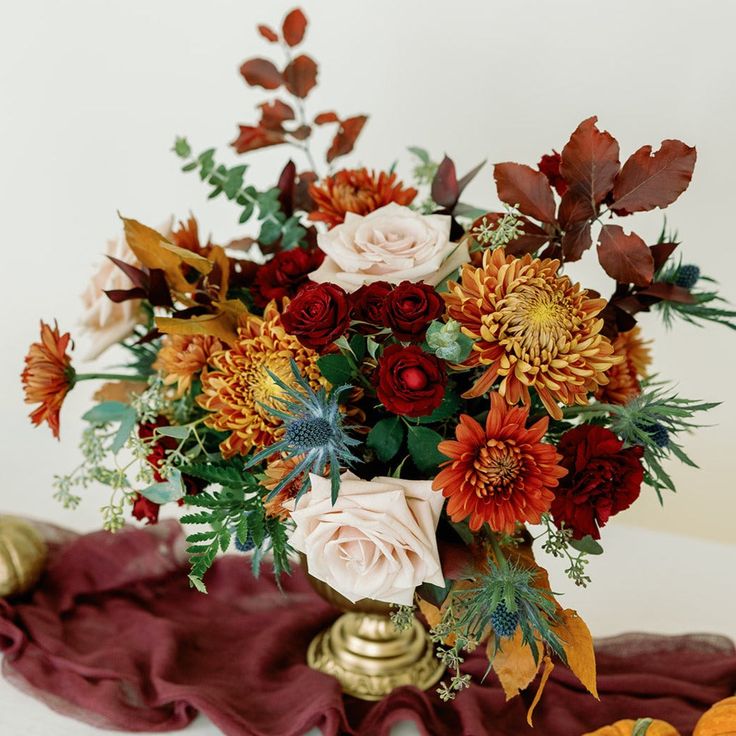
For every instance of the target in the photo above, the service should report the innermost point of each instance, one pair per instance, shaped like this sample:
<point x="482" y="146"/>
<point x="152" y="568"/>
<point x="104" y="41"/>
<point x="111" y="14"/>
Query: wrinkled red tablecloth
<point x="113" y="635"/>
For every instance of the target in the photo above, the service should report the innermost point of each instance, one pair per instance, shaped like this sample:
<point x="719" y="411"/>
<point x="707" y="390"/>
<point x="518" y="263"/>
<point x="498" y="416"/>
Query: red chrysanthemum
<point x="501" y="474"/>
<point x="603" y="478"/>
<point x="356" y="190"/>
<point x="48" y="376"/>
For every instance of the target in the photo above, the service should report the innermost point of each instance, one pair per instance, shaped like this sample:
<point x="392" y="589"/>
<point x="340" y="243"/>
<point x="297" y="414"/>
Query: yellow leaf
<point x="549" y="665"/>
<point x="514" y="664"/>
<point x="223" y="324"/>
<point x="147" y="244"/>
<point x="578" y="645"/>
<point x="430" y="612"/>
<point x="200" y="263"/>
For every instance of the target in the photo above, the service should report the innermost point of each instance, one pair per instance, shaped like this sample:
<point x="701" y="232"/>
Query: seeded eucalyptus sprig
<point x="230" y="182"/>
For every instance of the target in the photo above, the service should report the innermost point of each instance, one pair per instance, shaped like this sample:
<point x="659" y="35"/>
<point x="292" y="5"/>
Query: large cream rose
<point x="104" y="321"/>
<point x="394" y="244"/>
<point x="378" y="540"/>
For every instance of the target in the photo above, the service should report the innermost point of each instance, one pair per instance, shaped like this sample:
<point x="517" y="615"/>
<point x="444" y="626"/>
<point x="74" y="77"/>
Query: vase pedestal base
<point x="370" y="657"/>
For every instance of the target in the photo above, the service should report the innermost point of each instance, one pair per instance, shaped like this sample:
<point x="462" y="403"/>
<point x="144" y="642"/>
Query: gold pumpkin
<point x="22" y="556"/>
<point x="719" y="720"/>
<point x="626" y="728"/>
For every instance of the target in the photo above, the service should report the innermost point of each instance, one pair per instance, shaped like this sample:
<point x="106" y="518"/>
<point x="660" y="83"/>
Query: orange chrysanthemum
<point x="356" y="190"/>
<point x="623" y="378"/>
<point x="48" y="376"/>
<point x="182" y="357"/>
<point x="275" y="471"/>
<point x="499" y="475"/>
<point x="533" y="328"/>
<point x="239" y="389"/>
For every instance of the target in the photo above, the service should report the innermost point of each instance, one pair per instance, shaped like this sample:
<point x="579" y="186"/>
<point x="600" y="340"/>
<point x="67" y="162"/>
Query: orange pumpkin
<point x="626" y="728"/>
<point x="719" y="720"/>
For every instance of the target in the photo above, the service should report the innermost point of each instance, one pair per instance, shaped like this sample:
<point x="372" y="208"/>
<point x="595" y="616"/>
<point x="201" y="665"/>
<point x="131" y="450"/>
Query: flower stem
<point x="108" y="377"/>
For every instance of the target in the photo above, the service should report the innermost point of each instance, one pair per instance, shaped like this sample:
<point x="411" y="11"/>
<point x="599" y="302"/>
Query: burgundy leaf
<point x="300" y="76"/>
<point x="294" y="26"/>
<point x="268" y="33"/>
<point x="576" y="241"/>
<point x="252" y="137"/>
<point x="326" y="117"/>
<point x="158" y="289"/>
<point x="589" y="162"/>
<point x="123" y="295"/>
<point x="346" y="136"/>
<point x="529" y="189"/>
<point x="285" y="185"/>
<point x="575" y="209"/>
<point x="661" y="252"/>
<point x="445" y="189"/>
<point x="465" y="180"/>
<point x="301" y="133"/>
<point x="654" y="180"/>
<point x="274" y="114"/>
<point x="669" y="292"/>
<point x="261" y="73"/>
<point x="136" y="275"/>
<point x="625" y="258"/>
<point x="549" y="165"/>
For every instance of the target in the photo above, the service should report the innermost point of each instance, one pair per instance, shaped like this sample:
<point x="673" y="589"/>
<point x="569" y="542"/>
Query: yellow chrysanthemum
<point x="239" y="389"/>
<point x="531" y="327"/>
<point x="623" y="379"/>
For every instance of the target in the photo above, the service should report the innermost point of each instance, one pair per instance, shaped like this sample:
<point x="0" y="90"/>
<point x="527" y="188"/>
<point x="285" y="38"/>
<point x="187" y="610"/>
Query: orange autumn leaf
<point x="514" y="664"/>
<point x="200" y="263"/>
<point x="222" y="325"/>
<point x="578" y="645"/>
<point x="549" y="665"/>
<point x="122" y="391"/>
<point x="430" y="612"/>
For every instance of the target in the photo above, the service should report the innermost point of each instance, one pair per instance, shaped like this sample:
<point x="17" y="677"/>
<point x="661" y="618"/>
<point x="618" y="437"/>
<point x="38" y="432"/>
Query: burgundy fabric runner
<point x="114" y="636"/>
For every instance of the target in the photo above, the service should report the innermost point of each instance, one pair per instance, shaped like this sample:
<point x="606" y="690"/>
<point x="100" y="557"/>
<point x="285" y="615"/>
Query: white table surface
<point x="646" y="581"/>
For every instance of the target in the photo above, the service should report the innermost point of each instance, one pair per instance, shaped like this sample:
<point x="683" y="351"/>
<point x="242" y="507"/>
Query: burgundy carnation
<point x="409" y="309"/>
<point x="603" y="478"/>
<point x="284" y="274"/>
<point x="318" y="315"/>
<point x="409" y="381"/>
<point x="367" y="305"/>
<point x="549" y="165"/>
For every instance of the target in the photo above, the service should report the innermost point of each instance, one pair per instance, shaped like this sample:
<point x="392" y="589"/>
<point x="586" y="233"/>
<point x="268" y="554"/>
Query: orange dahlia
<point x="501" y="474"/>
<point x="48" y="376"/>
<point x="182" y="357"/>
<point x="275" y="471"/>
<point x="239" y="388"/>
<point x="623" y="378"/>
<point x="356" y="190"/>
<point x="531" y="327"/>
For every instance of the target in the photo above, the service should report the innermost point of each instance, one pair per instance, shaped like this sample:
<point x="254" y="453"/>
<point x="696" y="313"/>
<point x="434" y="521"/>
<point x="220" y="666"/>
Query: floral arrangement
<point x="407" y="389"/>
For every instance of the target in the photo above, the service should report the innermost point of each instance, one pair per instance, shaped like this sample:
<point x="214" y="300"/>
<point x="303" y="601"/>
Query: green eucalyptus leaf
<point x="172" y="489"/>
<point x="108" y="411"/>
<point x="127" y="425"/>
<point x="179" y="433"/>
<point x="587" y="545"/>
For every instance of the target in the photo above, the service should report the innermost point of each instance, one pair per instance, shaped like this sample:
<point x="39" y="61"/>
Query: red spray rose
<point x="409" y="309"/>
<point x="603" y="478"/>
<point x="549" y="165"/>
<point x="367" y="305"/>
<point x="318" y="315"/>
<point x="410" y="381"/>
<point x="145" y="509"/>
<point x="284" y="274"/>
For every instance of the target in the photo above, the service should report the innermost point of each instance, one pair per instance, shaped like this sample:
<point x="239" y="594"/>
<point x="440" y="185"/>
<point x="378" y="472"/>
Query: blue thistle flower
<point x="687" y="275"/>
<point x="503" y="621"/>
<point x="313" y="427"/>
<point x="658" y="434"/>
<point x="246" y="546"/>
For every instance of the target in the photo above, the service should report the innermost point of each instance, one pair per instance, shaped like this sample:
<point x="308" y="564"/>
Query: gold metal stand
<point x="365" y="652"/>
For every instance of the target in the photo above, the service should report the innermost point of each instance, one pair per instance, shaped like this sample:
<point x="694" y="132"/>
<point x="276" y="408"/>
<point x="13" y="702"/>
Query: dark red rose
<point x="318" y="315"/>
<point x="603" y="478"/>
<point x="367" y="305"/>
<point x="145" y="509"/>
<point x="410" y="308"/>
<point x="549" y="165"/>
<point x="284" y="274"/>
<point x="409" y="381"/>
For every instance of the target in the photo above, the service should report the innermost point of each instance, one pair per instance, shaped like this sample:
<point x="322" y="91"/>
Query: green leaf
<point x="423" y="448"/>
<point x="448" y="408"/>
<point x="358" y="347"/>
<point x="641" y="727"/>
<point x="588" y="545"/>
<point x="225" y="475"/>
<point x="270" y="232"/>
<point x="247" y="212"/>
<point x="172" y="489"/>
<point x="386" y="438"/>
<point x="335" y="368"/>
<point x="179" y="433"/>
<point x="127" y="425"/>
<point x="420" y="153"/>
<point x="108" y="411"/>
<point x="182" y="148"/>
<point x="197" y="582"/>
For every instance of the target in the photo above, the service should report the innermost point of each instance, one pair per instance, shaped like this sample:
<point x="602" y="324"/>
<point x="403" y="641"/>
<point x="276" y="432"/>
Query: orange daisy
<point x="48" y="376"/>
<point x="501" y="474"/>
<point x="182" y="357"/>
<point x="532" y="328"/>
<point x="356" y="190"/>
<point x="240" y="388"/>
<point x="623" y="378"/>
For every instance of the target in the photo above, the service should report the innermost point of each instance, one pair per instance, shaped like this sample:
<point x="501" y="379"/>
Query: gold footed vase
<point x="365" y="652"/>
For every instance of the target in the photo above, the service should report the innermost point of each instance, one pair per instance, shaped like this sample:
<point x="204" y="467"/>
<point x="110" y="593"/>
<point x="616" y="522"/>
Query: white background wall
<point x="92" y="94"/>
